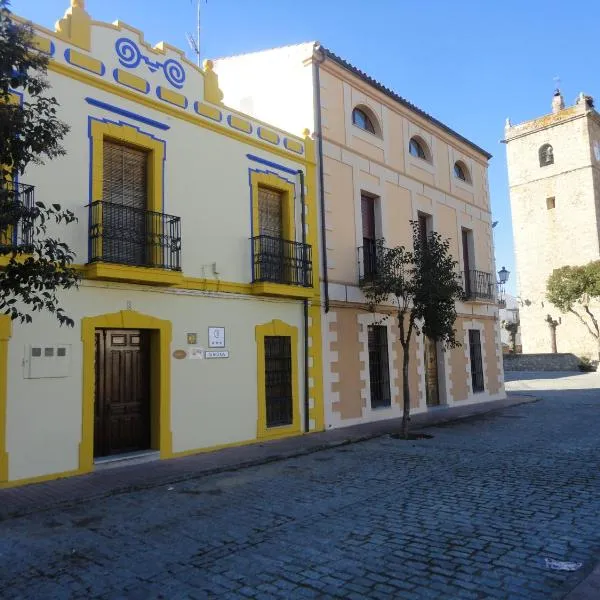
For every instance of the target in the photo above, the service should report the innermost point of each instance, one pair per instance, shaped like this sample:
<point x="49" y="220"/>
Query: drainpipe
<point x="320" y="58"/>
<point x="305" y="307"/>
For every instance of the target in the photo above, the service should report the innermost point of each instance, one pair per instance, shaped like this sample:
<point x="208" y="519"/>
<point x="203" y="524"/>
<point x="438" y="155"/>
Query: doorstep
<point x="130" y="476"/>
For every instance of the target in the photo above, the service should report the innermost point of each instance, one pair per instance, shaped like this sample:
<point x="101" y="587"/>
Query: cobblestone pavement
<point x="471" y="513"/>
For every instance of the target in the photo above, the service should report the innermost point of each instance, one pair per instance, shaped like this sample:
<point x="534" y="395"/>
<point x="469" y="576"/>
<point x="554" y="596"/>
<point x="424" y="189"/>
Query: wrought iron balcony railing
<point x="479" y="285"/>
<point x="132" y="236"/>
<point x="17" y="205"/>
<point x="367" y="262"/>
<point x="281" y="261"/>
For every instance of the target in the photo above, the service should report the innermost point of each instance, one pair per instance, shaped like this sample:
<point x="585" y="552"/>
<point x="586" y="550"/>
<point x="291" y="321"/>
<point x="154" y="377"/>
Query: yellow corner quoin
<point x="268" y="135"/>
<point x="239" y="124"/>
<point x="293" y="145"/>
<point x="131" y="81"/>
<point x="73" y="57"/>
<point x="172" y="97"/>
<point x="160" y="384"/>
<point x="5" y="333"/>
<point x="208" y="111"/>
<point x="315" y="370"/>
<point x="276" y="328"/>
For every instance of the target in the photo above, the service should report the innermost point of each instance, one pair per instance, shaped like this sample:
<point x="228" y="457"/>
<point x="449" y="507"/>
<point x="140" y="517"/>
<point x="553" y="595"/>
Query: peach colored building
<point x="382" y="163"/>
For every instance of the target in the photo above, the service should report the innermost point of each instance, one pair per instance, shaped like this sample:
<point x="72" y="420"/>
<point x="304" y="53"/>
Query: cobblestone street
<point x="472" y="513"/>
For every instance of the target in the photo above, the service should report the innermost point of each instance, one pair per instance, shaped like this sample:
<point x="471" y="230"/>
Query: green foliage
<point x="424" y="286"/>
<point x="569" y="286"/>
<point x="30" y="132"/>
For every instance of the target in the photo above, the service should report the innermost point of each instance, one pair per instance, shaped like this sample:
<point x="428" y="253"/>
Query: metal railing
<point x="132" y="236"/>
<point x="367" y="262"/>
<point x="478" y="285"/>
<point x="17" y="202"/>
<point x="281" y="261"/>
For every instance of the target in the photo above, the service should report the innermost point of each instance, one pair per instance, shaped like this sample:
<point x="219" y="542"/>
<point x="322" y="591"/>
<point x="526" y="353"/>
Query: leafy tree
<point x="572" y="289"/>
<point x="423" y="286"/>
<point x="38" y="265"/>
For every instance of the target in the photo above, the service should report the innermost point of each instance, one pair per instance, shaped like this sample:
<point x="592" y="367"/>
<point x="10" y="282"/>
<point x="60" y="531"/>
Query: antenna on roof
<point x="556" y="80"/>
<point x="195" y="42"/>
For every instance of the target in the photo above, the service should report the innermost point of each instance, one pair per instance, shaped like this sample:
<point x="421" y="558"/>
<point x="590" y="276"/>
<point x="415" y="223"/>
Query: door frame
<point x="160" y="379"/>
<point x="5" y="335"/>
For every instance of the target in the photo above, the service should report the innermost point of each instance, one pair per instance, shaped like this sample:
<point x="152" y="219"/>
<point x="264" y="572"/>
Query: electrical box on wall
<point x="43" y="361"/>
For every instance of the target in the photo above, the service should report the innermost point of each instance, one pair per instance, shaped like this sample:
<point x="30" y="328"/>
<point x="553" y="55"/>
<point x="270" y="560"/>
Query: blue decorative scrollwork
<point x="130" y="56"/>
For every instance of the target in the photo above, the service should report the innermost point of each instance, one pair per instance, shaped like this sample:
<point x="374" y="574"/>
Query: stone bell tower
<point x="554" y="180"/>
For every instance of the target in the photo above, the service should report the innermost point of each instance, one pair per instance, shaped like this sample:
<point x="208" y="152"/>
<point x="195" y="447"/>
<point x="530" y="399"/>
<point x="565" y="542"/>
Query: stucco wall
<point x="214" y="402"/>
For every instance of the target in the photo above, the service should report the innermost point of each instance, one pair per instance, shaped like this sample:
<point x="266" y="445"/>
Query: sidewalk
<point x="74" y="490"/>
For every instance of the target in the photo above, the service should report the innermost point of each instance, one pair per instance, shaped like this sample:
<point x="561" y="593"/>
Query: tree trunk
<point x="405" y="391"/>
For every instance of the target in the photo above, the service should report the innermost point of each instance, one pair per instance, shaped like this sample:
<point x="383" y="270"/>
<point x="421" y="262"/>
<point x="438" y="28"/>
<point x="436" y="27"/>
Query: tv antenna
<point x="194" y="42"/>
<point x="557" y="82"/>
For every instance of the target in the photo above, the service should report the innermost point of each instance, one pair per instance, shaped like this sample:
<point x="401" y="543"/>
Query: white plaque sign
<point x="196" y="353"/>
<point x="216" y="337"/>
<point x="216" y="354"/>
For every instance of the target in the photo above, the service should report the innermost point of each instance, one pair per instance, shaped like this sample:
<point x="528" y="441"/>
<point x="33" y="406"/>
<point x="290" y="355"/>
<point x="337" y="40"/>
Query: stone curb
<point x="588" y="589"/>
<point x="36" y="502"/>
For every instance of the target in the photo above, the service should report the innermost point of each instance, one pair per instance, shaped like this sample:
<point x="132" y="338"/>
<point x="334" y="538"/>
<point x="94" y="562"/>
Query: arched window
<point x="546" y="155"/>
<point x="461" y="171"/>
<point x="417" y="148"/>
<point x="362" y="120"/>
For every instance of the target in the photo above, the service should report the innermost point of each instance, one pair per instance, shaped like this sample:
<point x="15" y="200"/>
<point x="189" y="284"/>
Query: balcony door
<point x="369" y="237"/>
<point x="125" y="196"/>
<point x="467" y="268"/>
<point x="270" y="220"/>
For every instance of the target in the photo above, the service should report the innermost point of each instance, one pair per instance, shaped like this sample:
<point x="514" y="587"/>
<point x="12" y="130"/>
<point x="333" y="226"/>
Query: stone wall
<point x="541" y="362"/>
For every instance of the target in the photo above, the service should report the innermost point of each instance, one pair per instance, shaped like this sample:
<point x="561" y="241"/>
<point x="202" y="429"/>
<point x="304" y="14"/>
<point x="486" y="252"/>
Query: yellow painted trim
<point x="5" y="334"/>
<point x="76" y="26"/>
<point x="293" y="145"/>
<point x="160" y="379"/>
<point x="266" y="288"/>
<point x="288" y="190"/>
<point x="172" y="97"/>
<point x="73" y="57"/>
<point x="276" y="328"/>
<point x="206" y="110"/>
<point x="239" y="123"/>
<point x="268" y="135"/>
<point x="131" y="274"/>
<point x="39" y="479"/>
<point x="131" y="81"/>
<point x="104" y="85"/>
<point x="42" y="44"/>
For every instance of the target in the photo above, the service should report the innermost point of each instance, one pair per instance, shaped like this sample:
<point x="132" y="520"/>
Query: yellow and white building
<point x="197" y="320"/>
<point x="382" y="162"/>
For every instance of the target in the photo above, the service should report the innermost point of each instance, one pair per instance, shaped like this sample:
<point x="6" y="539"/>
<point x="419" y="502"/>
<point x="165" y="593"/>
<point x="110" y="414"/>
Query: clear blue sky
<point x="470" y="63"/>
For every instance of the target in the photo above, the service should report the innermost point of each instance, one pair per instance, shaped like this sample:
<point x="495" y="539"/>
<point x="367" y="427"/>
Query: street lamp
<point x="503" y="275"/>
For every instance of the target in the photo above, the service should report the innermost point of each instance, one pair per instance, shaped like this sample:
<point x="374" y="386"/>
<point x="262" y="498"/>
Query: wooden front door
<point x="432" y="390"/>
<point x="122" y="398"/>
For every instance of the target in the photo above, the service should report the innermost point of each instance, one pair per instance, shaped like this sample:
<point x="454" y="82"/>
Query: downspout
<point x="305" y="306"/>
<point x="318" y="59"/>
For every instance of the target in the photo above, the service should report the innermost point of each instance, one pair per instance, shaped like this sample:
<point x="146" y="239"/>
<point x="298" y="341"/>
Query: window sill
<point x="144" y="275"/>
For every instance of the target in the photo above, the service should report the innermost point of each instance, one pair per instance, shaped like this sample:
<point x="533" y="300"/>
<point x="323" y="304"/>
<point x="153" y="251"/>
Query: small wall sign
<point x="216" y="337"/>
<point x="216" y="354"/>
<point x="192" y="339"/>
<point x="196" y="353"/>
<point x="179" y="354"/>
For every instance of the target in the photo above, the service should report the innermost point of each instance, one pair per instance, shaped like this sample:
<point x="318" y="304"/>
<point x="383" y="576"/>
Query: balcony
<point x="133" y="244"/>
<point x="17" y="217"/>
<point x="479" y="286"/>
<point x="367" y="263"/>
<point x="283" y="262"/>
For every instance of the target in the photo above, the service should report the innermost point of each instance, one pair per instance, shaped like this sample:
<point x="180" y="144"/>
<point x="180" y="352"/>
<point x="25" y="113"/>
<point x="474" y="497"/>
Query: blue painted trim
<point x="286" y="143"/>
<point x="159" y="91"/>
<point x="116" y="77"/>
<point x="258" y="131"/>
<point x="269" y="163"/>
<point x="127" y="113"/>
<point x="68" y="59"/>
<point x="197" y="104"/>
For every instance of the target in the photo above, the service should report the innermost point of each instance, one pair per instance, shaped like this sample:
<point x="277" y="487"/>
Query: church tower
<point x="554" y="179"/>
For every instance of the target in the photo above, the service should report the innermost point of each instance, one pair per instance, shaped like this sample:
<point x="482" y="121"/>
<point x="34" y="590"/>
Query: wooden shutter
<point x="270" y="212"/>
<point x="368" y="217"/>
<point x="125" y="176"/>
